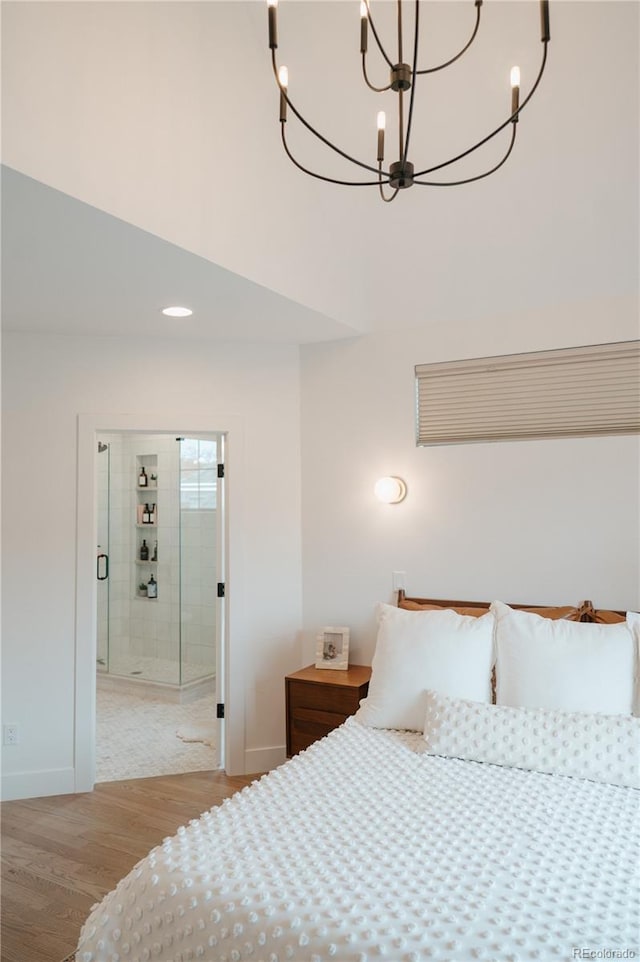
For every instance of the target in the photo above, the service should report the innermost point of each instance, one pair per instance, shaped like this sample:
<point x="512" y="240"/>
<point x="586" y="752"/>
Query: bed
<point x="485" y="831"/>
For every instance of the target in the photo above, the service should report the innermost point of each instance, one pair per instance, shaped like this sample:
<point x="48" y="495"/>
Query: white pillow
<point x="602" y="748"/>
<point x="633" y="621"/>
<point x="416" y="650"/>
<point x="563" y="665"/>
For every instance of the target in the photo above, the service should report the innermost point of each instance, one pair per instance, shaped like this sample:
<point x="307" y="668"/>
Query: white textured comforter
<point x="365" y="848"/>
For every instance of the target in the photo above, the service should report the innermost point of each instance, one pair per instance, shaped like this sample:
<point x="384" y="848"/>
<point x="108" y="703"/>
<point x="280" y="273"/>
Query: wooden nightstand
<point x="320" y="699"/>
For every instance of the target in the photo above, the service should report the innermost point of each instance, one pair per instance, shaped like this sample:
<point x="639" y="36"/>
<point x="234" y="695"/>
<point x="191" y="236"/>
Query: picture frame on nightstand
<point x="332" y="648"/>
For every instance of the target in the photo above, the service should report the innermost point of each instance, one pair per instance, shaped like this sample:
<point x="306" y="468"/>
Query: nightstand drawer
<point x="298" y="742"/>
<point x="309" y="724"/>
<point x="311" y="721"/>
<point x="323" y="697"/>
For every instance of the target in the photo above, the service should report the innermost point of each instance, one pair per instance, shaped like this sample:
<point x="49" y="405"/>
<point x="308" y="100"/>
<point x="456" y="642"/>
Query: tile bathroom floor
<point x="137" y="737"/>
<point x="151" y="667"/>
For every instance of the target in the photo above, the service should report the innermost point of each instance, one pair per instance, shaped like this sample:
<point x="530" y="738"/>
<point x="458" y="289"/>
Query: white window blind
<point x="572" y="392"/>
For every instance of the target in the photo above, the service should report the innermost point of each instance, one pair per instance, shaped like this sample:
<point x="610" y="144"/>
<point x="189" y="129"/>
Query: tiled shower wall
<point x="176" y="633"/>
<point x="199" y="589"/>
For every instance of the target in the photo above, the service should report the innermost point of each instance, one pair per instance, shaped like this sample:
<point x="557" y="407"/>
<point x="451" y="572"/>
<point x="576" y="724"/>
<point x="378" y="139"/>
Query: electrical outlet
<point x="398" y="579"/>
<point x="10" y="734"/>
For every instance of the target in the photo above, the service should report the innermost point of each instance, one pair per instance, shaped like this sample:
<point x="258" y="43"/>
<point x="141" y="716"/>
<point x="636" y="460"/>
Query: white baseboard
<point x="61" y="781"/>
<point x="258" y="760"/>
<point x="55" y="781"/>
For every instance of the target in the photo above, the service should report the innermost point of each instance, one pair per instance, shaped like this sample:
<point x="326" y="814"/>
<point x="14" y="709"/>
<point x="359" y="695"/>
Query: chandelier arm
<point x="388" y="200"/>
<point x="511" y="119"/>
<point x="316" y="133"/>
<point x="448" y="63"/>
<point x="377" y="38"/>
<point x="329" y="180"/>
<point x="378" y="90"/>
<point x="396" y="190"/>
<point x="469" y="180"/>
<point x="404" y="153"/>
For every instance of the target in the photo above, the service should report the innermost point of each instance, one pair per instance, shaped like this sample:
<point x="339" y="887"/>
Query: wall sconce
<point x="390" y="490"/>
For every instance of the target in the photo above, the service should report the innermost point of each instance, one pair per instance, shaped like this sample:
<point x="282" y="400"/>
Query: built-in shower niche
<point x="147" y="550"/>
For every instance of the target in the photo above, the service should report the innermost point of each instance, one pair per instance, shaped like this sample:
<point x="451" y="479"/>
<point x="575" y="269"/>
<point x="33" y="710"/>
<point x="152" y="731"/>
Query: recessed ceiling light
<point x="177" y="311"/>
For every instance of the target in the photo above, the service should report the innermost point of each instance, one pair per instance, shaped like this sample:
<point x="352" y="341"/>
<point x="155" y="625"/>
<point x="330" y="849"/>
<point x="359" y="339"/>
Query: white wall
<point x="47" y="382"/>
<point x="553" y="521"/>
<point x="537" y="521"/>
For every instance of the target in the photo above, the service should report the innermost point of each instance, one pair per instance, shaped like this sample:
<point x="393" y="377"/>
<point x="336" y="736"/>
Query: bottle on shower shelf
<point x="154" y="557"/>
<point x="146" y="515"/>
<point x="152" y="588"/>
<point x="143" y="481"/>
<point x="144" y="551"/>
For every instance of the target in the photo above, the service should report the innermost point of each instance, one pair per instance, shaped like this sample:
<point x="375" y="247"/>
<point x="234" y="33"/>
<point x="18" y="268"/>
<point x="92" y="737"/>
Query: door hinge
<point x="219" y="711"/>
<point x="221" y="470"/>
<point x="221" y="589"/>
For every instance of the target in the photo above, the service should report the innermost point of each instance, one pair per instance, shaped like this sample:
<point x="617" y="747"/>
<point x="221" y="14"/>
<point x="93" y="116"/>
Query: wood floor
<point x="62" y="854"/>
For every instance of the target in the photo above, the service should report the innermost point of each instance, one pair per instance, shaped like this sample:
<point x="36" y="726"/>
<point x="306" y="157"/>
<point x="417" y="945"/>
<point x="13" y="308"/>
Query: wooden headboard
<point x="585" y="611"/>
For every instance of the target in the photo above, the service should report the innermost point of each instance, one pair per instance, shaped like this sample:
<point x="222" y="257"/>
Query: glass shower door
<point x="198" y="558"/>
<point x="102" y="556"/>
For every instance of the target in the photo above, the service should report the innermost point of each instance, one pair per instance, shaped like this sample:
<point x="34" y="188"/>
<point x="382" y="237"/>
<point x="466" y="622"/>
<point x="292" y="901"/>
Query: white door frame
<point x="89" y="425"/>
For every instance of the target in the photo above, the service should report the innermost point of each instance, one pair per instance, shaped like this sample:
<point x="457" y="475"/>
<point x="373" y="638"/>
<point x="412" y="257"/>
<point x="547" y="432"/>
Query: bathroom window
<point x="198" y="474"/>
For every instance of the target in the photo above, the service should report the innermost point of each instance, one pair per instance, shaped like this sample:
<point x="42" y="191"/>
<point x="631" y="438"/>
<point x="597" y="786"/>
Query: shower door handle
<point x="105" y="567"/>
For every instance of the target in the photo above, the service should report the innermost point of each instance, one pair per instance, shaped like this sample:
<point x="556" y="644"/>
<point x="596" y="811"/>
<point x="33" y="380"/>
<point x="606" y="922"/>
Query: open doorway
<point x="160" y="603"/>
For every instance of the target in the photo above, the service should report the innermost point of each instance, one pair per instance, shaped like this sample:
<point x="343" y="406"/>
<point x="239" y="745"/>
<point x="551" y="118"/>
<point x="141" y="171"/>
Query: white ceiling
<point x="70" y="268"/>
<point x="154" y="127"/>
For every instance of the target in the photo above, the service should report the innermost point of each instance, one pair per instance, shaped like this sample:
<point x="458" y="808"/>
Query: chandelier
<point x="401" y="173"/>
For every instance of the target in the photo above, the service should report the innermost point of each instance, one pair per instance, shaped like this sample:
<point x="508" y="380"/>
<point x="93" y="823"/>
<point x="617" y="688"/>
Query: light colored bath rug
<point x="206" y="734"/>
<point x="136" y="737"/>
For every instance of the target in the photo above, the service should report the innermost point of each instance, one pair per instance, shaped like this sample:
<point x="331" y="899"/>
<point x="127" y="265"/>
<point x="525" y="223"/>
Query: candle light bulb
<point x="515" y="93"/>
<point x="364" y="25"/>
<point x="381" y="125"/>
<point x="272" y="11"/>
<point x="283" y="80"/>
